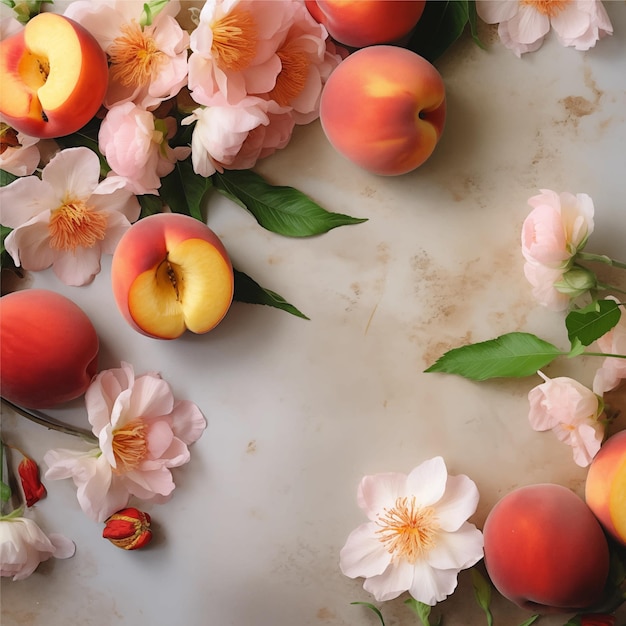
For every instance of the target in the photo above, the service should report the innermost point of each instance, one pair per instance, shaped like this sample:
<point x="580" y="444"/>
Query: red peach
<point x="384" y="108"/>
<point x="605" y="489"/>
<point x="360" y="23"/>
<point x="48" y="349"/>
<point x="545" y="551"/>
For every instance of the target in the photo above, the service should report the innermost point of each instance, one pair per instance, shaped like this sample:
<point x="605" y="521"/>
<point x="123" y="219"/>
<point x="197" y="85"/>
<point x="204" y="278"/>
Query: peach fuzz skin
<point x="54" y="76"/>
<point x="605" y="488"/>
<point x="545" y="551"/>
<point x="48" y="349"/>
<point x="168" y="267"/>
<point x="360" y="23"/>
<point x="384" y="109"/>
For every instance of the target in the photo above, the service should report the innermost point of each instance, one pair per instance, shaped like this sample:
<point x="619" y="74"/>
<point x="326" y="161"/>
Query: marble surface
<point x="299" y="411"/>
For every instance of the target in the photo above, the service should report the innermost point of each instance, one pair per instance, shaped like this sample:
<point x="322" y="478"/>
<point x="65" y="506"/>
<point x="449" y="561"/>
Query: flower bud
<point x="33" y="488"/>
<point x="576" y="281"/>
<point x="128" y="529"/>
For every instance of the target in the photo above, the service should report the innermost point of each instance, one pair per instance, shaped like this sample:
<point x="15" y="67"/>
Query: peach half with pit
<point x="171" y="273"/>
<point x="54" y="76"/>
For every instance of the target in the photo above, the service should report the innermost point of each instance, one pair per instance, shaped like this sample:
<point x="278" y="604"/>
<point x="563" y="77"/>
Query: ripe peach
<point x="545" y="550"/>
<point x="48" y="349"/>
<point x="360" y="23"/>
<point x="170" y="272"/>
<point x="605" y="489"/>
<point x="54" y="76"/>
<point x="384" y="108"/>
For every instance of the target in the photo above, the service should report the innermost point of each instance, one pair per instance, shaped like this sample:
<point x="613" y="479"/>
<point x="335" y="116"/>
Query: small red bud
<point x="31" y="484"/>
<point x="128" y="529"/>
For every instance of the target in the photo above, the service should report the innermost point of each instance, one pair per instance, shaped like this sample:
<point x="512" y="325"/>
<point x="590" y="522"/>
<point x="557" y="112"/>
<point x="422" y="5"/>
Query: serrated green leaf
<point x="371" y="607"/>
<point x="593" y="321"/>
<point x="183" y="190"/>
<point x="249" y="291"/>
<point x="441" y="24"/>
<point x="482" y="593"/>
<point x="513" y="355"/>
<point x="282" y="210"/>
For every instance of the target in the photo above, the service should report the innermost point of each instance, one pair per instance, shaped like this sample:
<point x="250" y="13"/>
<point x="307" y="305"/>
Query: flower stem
<point x="605" y="287"/>
<point x="600" y="258"/>
<point x="49" y="422"/>
<point x="617" y="356"/>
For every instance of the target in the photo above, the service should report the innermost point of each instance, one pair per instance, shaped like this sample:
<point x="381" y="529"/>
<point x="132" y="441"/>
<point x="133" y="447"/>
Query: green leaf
<point x="441" y="24"/>
<point x="593" y="321"/>
<point x="473" y="23"/>
<point x="576" y="349"/>
<point x="282" y="210"/>
<point x="183" y="190"/>
<point x="150" y="205"/>
<point x="371" y="607"/>
<point x="530" y="621"/>
<point x="250" y="292"/>
<point x="6" y="178"/>
<point x="513" y="355"/>
<point x="5" y="492"/>
<point x="482" y="593"/>
<point x="420" y="609"/>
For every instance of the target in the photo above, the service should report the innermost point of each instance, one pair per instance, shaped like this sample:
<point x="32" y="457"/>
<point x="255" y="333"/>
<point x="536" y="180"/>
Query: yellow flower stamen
<point x="407" y="530"/>
<point x="134" y="56"/>
<point x="292" y="77"/>
<point x="234" y="40"/>
<point x="130" y="445"/>
<point x="547" y="7"/>
<point x="76" y="225"/>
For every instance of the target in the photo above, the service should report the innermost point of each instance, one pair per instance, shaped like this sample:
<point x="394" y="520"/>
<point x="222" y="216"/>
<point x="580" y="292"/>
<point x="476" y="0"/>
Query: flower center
<point x="134" y="56"/>
<point x="292" y="77"/>
<point x="75" y="225"/>
<point x="547" y="7"/>
<point x="407" y="530"/>
<point x="129" y="445"/>
<point x="234" y="40"/>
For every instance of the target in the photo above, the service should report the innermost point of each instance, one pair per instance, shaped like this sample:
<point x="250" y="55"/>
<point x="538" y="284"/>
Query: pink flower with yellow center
<point x="67" y="219"/>
<point x="523" y="24"/>
<point x="417" y="538"/>
<point x="148" y="63"/>
<point x="142" y="431"/>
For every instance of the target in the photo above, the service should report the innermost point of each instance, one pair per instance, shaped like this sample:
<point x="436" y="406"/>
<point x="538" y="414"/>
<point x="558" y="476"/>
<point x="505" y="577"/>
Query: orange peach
<point x="360" y="23"/>
<point x="170" y="272"/>
<point x="545" y="551"/>
<point x="48" y="349"/>
<point x="605" y="489"/>
<point x="384" y="109"/>
<point x="54" y="76"/>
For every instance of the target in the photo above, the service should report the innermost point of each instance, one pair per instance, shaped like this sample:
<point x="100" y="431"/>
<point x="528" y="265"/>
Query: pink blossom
<point x="148" y="64"/>
<point x="613" y="370"/>
<point x="523" y="24"/>
<point x="234" y="48"/>
<point x="134" y="143"/>
<point x="143" y="432"/>
<point x="19" y="153"/>
<point x="234" y="137"/>
<point x="67" y="219"/>
<point x="572" y="412"/>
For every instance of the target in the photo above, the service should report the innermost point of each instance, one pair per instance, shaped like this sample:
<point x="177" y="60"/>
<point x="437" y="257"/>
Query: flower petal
<point x="427" y="482"/>
<point x="432" y="585"/>
<point x="458" y="503"/>
<point x="457" y="550"/>
<point x="363" y="554"/>
<point x="73" y="173"/>
<point x="188" y="422"/>
<point x="396" y="579"/>
<point x="378" y="492"/>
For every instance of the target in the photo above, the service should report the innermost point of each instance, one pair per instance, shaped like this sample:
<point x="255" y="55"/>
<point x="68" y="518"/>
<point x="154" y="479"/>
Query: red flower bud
<point x="128" y="529"/>
<point x="597" y="619"/>
<point x="31" y="484"/>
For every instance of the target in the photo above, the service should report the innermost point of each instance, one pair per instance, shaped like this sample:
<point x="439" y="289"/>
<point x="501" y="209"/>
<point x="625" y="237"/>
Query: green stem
<point x="617" y="356"/>
<point x="605" y="287"/>
<point x="600" y="258"/>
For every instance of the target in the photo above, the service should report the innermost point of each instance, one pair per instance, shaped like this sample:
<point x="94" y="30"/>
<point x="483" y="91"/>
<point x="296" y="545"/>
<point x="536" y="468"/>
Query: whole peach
<point x="360" y="23"/>
<point x="545" y="551"/>
<point x="48" y="349"/>
<point x="605" y="489"/>
<point x="384" y="108"/>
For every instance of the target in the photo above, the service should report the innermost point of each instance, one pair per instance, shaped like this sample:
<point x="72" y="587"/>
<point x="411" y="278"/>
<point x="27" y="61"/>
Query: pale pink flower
<point x="523" y="24"/>
<point x="143" y="432"/>
<point x="19" y="153"/>
<point x="135" y="144"/>
<point x="613" y="370"/>
<point x="572" y="411"/>
<point x="234" y="48"/>
<point x="148" y="63"/>
<point x="417" y="538"/>
<point x="222" y="130"/>
<point x="23" y="545"/>
<point x="68" y="219"/>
